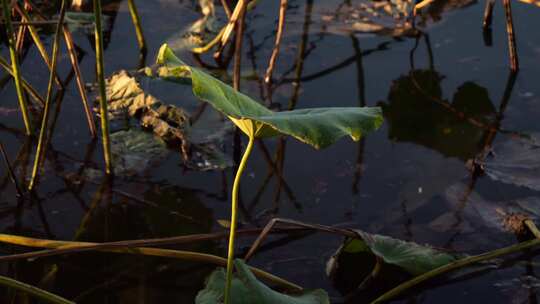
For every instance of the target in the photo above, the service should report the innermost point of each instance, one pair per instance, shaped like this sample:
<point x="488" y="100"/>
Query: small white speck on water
<point x="420" y="190"/>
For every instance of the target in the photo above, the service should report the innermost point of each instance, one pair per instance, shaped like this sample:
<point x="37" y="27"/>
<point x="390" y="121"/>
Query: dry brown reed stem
<point x="279" y="35"/>
<point x="9" y="169"/>
<point x="37" y="40"/>
<point x="239" y="10"/>
<point x="226" y="7"/>
<point x="19" y="44"/>
<point x="238" y="48"/>
<point x="46" y="111"/>
<point x="80" y="81"/>
<point x="61" y="247"/>
<point x="488" y="15"/>
<point x="16" y="69"/>
<point x="421" y="5"/>
<point x="273" y="222"/>
<point x="27" y="87"/>
<point x="512" y="50"/>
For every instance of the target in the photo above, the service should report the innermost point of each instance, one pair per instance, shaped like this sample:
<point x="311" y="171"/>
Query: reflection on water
<point x="437" y="119"/>
<point x="414" y="115"/>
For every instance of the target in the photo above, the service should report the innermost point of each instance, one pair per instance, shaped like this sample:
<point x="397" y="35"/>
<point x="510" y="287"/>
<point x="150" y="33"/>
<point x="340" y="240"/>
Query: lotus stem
<point x="137" y="23"/>
<point x="234" y="211"/>
<point x="80" y="82"/>
<point x="455" y="265"/>
<point x="102" y="94"/>
<point x="46" y="111"/>
<point x="32" y="290"/>
<point x="15" y="66"/>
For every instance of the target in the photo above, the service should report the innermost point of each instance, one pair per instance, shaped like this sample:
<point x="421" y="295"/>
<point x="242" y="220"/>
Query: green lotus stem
<point x="15" y="66"/>
<point x="234" y="211"/>
<point x="137" y="23"/>
<point x="455" y="265"/>
<point x="46" y="111"/>
<point x="32" y="290"/>
<point x="102" y="94"/>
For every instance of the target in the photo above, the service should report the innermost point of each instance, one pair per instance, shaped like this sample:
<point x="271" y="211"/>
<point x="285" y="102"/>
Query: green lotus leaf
<point x="318" y="127"/>
<point x="246" y="289"/>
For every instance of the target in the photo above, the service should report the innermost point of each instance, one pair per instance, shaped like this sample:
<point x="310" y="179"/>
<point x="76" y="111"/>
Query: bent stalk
<point x="102" y="95"/>
<point x="15" y="66"/>
<point x="234" y="209"/>
<point x="62" y="247"/>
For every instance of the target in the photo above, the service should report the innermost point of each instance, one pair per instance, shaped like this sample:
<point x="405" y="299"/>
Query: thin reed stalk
<point x="488" y="15"/>
<point x="238" y="12"/>
<point x="60" y="247"/>
<point x="46" y="111"/>
<point x="138" y="28"/>
<point x="27" y="87"/>
<point x="10" y="171"/>
<point x="279" y="34"/>
<point x="102" y="94"/>
<point x="16" y="69"/>
<point x="34" y="291"/>
<point x="80" y="81"/>
<point x="226" y="7"/>
<point x="512" y="49"/>
<point x="37" y="40"/>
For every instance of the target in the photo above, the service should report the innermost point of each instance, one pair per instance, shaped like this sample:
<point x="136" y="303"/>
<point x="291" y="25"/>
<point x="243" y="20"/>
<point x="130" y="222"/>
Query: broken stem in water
<point x="46" y="111"/>
<point x="234" y="210"/>
<point x="102" y="94"/>
<point x="70" y="246"/>
<point x="16" y="69"/>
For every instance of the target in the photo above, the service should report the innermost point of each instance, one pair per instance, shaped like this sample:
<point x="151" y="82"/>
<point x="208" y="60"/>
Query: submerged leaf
<point x="172" y="124"/>
<point x="410" y="257"/>
<point x="319" y="127"/>
<point x="516" y="162"/>
<point x="246" y="289"/>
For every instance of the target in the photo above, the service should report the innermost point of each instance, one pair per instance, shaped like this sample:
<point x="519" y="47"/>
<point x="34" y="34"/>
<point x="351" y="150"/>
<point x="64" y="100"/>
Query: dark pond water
<point x="406" y="180"/>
